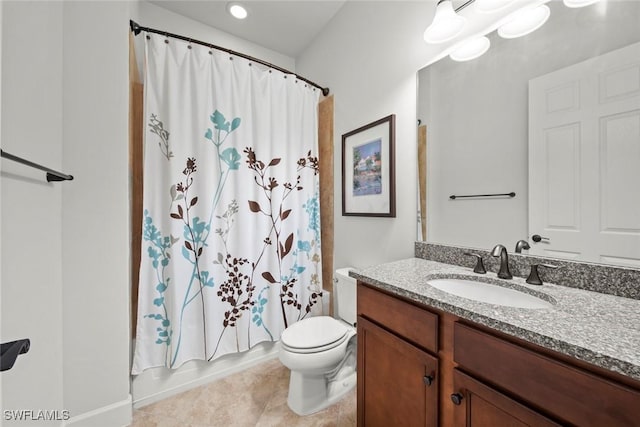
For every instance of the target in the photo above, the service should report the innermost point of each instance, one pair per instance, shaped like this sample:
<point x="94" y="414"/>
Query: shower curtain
<point x="231" y="227"/>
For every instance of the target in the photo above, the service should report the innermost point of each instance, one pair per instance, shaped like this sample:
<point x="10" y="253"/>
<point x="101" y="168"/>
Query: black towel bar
<point x="51" y="174"/>
<point x="512" y="194"/>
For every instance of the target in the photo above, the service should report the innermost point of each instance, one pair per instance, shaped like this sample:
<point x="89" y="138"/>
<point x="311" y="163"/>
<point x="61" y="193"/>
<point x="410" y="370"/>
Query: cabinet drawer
<point x="412" y="323"/>
<point x="568" y="393"/>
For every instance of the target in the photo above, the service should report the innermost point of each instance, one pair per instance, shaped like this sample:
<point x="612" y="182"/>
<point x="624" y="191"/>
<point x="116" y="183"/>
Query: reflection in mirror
<point x="422" y="182"/>
<point x="554" y="117"/>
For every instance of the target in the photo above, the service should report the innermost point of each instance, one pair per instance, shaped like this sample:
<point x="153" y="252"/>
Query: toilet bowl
<point x="321" y="353"/>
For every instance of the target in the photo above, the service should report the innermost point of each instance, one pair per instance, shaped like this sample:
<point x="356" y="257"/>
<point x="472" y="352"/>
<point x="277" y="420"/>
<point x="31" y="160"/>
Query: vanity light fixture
<point x="579" y="3"/>
<point x="489" y="6"/>
<point x="446" y="25"/>
<point x="524" y="21"/>
<point x="237" y="10"/>
<point x="471" y="49"/>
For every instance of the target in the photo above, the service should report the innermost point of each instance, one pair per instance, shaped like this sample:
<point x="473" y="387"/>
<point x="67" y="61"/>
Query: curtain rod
<point x="137" y="29"/>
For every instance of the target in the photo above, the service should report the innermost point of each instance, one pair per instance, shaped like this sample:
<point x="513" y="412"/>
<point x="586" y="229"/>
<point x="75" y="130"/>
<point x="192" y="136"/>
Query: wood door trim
<point x="325" y="164"/>
<point x="136" y="105"/>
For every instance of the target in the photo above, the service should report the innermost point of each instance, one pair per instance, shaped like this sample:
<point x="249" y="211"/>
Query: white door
<point x="584" y="160"/>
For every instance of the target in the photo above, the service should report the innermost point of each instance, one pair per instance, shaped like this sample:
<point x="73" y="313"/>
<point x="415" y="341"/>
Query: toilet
<point x="321" y="352"/>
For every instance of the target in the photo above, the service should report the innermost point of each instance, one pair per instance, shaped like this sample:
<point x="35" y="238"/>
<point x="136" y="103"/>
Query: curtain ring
<point x="189" y="45"/>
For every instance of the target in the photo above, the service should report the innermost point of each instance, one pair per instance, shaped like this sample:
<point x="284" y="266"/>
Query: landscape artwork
<point x="367" y="176"/>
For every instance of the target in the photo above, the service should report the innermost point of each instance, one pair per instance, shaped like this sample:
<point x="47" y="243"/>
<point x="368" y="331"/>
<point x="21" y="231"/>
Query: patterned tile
<point x="254" y="397"/>
<point x="143" y="419"/>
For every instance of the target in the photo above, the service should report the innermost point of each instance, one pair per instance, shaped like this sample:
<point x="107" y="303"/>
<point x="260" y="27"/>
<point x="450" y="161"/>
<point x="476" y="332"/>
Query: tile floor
<point x="255" y="397"/>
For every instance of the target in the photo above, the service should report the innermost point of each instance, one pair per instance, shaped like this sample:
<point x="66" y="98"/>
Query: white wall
<point x="95" y="220"/>
<point x="1" y="7"/>
<point x="65" y="281"/>
<point x="31" y="208"/>
<point x="477" y="120"/>
<point x="368" y="55"/>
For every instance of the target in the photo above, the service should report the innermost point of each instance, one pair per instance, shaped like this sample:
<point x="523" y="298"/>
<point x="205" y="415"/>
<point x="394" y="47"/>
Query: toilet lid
<point x="314" y="332"/>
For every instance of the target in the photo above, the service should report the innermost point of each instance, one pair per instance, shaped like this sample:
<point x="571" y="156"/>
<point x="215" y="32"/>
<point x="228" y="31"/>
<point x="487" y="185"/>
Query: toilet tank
<point x="345" y="290"/>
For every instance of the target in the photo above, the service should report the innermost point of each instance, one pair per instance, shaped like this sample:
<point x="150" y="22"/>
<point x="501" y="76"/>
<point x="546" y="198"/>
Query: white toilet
<point x="321" y="353"/>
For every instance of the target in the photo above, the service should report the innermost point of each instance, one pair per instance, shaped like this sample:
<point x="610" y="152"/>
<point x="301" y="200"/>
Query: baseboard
<point x="116" y="414"/>
<point x="157" y="384"/>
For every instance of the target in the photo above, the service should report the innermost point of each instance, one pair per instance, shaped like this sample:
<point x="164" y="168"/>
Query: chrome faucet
<point x="501" y="251"/>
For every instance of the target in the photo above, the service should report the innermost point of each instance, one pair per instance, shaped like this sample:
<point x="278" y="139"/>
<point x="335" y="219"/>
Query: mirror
<point x="478" y="117"/>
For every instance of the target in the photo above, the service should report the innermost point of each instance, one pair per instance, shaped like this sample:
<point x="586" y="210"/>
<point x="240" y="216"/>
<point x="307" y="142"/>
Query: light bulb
<point x="446" y="25"/>
<point x="471" y="49"/>
<point x="489" y="6"/>
<point x="524" y="21"/>
<point x="579" y="3"/>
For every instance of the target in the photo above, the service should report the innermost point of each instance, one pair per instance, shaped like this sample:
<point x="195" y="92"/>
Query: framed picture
<point x="368" y="170"/>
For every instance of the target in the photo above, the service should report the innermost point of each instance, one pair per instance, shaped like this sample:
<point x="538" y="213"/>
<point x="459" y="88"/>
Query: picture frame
<point x="368" y="170"/>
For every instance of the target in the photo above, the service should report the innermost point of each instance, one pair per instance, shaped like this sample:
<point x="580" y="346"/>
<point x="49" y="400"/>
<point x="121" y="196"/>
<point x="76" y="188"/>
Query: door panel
<point x="482" y="406"/>
<point x="562" y="186"/>
<point x="584" y="159"/>
<point x="391" y="386"/>
<point x="620" y="174"/>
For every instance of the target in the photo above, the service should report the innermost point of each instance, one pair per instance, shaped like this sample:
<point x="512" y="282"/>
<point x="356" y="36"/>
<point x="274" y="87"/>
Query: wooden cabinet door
<point x="479" y="405"/>
<point x="397" y="384"/>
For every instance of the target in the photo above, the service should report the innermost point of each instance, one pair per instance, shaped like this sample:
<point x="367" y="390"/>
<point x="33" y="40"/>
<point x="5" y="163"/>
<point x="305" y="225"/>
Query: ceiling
<point x="289" y="26"/>
<point x="286" y="27"/>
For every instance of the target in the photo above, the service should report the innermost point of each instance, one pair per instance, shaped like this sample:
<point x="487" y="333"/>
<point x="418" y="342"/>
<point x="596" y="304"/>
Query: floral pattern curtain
<point x="231" y="228"/>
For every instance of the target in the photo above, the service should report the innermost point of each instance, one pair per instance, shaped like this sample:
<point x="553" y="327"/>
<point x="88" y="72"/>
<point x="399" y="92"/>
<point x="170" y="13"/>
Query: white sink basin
<point x="486" y="292"/>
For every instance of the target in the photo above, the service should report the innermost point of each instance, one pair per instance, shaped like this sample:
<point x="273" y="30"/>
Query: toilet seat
<point x="314" y="335"/>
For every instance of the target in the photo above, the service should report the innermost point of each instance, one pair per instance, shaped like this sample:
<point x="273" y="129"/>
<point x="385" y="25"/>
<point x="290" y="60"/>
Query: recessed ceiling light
<point x="237" y="10"/>
<point x="471" y="49"/>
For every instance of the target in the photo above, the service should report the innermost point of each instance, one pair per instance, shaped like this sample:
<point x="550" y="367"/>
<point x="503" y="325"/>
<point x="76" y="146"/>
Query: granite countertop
<point x="597" y="328"/>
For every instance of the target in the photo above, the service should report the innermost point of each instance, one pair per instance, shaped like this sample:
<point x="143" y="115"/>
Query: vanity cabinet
<point x="477" y="376"/>
<point x="562" y="389"/>
<point x="398" y="380"/>
<point x="396" y="375"/>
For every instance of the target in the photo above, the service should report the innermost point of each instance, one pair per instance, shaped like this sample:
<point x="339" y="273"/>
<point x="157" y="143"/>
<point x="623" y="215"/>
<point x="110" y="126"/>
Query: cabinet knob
<point x="428" y="379"/>
<point x="456" y="398"/>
